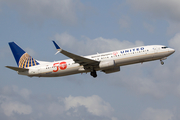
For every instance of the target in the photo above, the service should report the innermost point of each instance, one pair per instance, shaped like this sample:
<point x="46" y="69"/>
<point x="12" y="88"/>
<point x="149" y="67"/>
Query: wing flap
<point x="17" y="69"/>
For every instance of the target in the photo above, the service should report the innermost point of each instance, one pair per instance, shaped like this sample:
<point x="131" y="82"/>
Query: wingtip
<point x="55" y="44"/>
<point x="10" y="42"/>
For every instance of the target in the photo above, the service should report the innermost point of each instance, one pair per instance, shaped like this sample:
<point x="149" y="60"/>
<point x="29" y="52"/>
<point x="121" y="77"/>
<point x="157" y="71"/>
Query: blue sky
<point x="147" y="91"/>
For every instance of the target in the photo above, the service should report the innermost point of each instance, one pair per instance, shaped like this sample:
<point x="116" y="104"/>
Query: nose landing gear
<point x="161" y="60"/>
<point x="162" y="63"/>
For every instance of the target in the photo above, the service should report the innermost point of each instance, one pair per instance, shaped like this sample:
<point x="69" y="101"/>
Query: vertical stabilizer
<point x="22" y="58"/>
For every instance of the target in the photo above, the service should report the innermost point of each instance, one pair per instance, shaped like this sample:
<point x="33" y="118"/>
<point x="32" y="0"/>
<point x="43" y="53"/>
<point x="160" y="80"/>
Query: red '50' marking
<point x="61" y="65"/>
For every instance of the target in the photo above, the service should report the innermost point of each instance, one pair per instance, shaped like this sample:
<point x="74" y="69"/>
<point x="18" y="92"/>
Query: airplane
<point x="108" y="62"/>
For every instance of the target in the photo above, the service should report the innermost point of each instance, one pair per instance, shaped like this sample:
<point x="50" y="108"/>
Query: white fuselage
<point x="119" y="57"/>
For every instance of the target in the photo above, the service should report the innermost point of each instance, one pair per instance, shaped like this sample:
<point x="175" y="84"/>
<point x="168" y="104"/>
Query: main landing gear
<point x="93" y="73"/>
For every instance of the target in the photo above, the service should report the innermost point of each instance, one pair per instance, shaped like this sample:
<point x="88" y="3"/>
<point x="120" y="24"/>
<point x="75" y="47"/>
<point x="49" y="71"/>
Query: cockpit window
<point x="164" y="47"/>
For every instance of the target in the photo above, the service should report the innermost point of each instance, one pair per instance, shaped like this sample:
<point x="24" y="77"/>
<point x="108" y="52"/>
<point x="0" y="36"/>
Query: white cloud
<point x="15" y="103"/>
<point x="40" y="10"/>
<point x="91" y="46"/>
<point x="94" y="104"/>
<point x="156" y="114"/>
<point x="10" y="108"/>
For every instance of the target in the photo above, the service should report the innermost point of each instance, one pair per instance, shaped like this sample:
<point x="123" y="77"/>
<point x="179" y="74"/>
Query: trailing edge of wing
<point x="17" y="69"/>
<point x="78" y="59"/>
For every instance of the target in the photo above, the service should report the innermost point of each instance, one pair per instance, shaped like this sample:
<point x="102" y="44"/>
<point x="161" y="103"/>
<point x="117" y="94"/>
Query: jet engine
<point x="107" y="64"/>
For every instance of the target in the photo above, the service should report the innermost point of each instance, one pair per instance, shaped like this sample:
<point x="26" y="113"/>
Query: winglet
<point x="57" y="46"/>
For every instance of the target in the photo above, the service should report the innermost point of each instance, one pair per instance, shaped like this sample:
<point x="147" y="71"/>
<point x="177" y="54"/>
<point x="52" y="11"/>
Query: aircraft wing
<point x="78" y="59"/>
<point x="17" y="69"/>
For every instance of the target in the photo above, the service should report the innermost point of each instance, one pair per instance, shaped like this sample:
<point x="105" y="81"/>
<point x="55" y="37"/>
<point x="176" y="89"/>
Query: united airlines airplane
<point x="106" y="62"/>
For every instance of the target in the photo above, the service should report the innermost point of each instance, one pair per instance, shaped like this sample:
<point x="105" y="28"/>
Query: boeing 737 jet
<point x="108" y="62"/>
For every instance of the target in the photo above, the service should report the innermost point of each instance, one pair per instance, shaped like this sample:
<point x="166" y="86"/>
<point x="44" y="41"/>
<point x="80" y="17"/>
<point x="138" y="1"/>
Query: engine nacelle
<point x="112" y="70"/>
<point x="107" y="64"/>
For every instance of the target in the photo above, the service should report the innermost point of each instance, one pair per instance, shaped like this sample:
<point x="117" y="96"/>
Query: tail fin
<point x="22" y="58"/>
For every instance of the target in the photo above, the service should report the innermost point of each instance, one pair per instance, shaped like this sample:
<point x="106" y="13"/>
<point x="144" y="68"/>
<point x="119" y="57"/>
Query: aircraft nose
<point x="171" y="50"/>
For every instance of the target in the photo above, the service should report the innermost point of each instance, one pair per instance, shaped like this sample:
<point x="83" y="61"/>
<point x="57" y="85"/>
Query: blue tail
<point x="22" y="58"/>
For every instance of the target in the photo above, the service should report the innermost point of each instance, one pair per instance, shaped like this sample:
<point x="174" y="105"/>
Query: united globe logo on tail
<point x="27" y="61"/>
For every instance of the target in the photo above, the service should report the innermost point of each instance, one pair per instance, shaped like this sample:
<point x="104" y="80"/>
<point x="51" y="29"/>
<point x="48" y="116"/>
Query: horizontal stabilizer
<point x="17" y="69"/>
